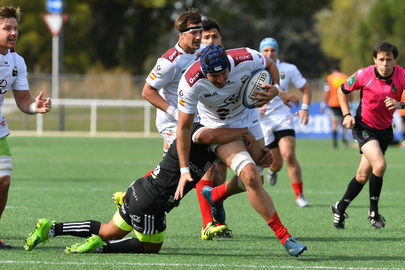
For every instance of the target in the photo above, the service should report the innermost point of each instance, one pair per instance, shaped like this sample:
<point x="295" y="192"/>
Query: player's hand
<point x="42" y="105"/>
<point x="265" y="96"/>
<point x="392" y="104"/>
<point x="249" y="139"/>
<point x="287" y="98"/>
<point x="348" y="122"/>
<point x="304" y="117"/>
<point x="266" y="159"/>
<point x="184" y="178"/>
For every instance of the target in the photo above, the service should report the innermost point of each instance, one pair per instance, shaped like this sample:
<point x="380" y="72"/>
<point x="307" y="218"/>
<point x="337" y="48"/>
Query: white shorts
<point x="169" y="134"/>
<point x="275" y="123"/>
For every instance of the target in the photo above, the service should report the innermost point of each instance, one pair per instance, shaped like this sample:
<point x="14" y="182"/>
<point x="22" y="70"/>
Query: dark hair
<point x="10" y="12"/>
<point x="385" y="46"/>
<point x="208" y="24"/>
<point x="191" y="16"/>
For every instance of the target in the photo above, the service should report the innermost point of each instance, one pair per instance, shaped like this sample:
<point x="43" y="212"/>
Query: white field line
<point x="250" y="266"/>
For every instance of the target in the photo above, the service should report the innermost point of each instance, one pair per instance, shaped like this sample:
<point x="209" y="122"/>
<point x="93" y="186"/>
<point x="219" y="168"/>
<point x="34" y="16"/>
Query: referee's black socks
<point x="375" y="185"/>
<point x="353" y="189"/>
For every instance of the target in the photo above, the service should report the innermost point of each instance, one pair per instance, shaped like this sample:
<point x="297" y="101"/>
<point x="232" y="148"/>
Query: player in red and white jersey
<point x="13" y="75"/>
<point x="277" y="125"/>
<point x="211" y="86"/>
<point x="161" y="84"/>
<point x="381" y="87"/>
<point x="161" y="91"/>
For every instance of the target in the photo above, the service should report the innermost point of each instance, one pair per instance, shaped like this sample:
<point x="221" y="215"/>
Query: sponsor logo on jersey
<point x="152" y="76"/>
<point x="3" y="85"/>
<point x="15" y="71"/>
<point x="210" y="94"/>
<point x="394" y="89"/>
<point x="2" y="123"/>
<point x="282" y="75"/>
<point x="244" y="78"/>
<point x="351" y="81"/>
<point x="181" y="102"/>
<point x="365" y="134"/>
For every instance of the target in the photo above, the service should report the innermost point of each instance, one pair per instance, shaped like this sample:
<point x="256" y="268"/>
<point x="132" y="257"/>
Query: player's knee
<point x="250" y="177"/>
<point x="5" y="166"/>
<point x="240" y="161"/>
<point x="289" y="158"/>
<point x="380" y="167"/>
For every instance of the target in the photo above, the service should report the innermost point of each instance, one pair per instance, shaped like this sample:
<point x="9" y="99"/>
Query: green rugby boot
<point x="118" y="198"/>
<point x="39" y="234"/>
<point x="211" y="230"/>
<point x="92" y="243"/>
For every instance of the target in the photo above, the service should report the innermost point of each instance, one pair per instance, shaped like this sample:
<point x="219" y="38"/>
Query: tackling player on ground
<point x="146" y="202"/>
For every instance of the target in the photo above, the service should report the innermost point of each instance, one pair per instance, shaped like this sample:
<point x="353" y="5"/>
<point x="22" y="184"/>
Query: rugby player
<point x="212" y="85"/>
<point x="277" y="125"/>
<point x="330" y="96"/>
<point x="160" y="90"/>
<point x="13" y="75"/>
<point x="146" y="202"/>
<point x="381" y="86"/>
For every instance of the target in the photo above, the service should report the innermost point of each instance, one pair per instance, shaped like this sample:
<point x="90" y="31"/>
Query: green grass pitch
<point x="73" y="179"/>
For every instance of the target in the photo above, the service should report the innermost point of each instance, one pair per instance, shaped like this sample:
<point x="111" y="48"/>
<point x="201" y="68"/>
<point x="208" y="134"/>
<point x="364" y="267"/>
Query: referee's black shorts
<point x="362" y="133"/>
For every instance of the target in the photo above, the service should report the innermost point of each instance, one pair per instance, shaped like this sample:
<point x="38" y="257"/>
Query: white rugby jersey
<point x="289" y="74"/>
<point x="165" y="77"/>
<point x="219" y="106"/>
<point x="13" y="75"/>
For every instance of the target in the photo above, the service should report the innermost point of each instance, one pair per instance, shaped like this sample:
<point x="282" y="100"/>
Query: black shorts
<point x="278" y="135"/>
<point x="139" y="208"/>
<point x="363" y="133"/>
<point x="336" y="114"/>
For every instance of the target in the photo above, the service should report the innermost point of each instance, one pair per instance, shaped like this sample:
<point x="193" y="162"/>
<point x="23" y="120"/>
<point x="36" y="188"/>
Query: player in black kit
<point x="146" y="202"/>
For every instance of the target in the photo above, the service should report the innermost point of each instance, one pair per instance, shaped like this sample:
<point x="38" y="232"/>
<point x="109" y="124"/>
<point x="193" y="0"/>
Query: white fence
<point x="93" y="104"/>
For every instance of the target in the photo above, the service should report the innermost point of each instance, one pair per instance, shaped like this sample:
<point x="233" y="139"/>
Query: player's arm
<point x="152" y="95"/>
<point x="348" y="119"/>
<point x="28" y="105"/>
<point x="325" y="97"/>
<point x="184" y="125"/>
<point x="306" y="101"/>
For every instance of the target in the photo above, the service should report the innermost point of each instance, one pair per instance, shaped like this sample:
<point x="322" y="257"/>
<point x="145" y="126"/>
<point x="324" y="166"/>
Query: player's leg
<point x="287" y="149"/>
<point x="237" y="158"/>
<point x="114" y="232"/>
<point x="5" y="174"/>
<point x="334" y="133"/>
<point x="375" y="155"/>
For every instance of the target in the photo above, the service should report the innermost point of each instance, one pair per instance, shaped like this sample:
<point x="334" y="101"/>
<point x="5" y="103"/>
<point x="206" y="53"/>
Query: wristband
<point x="346" y="115"/>
<point x="184" y="170"/>
<point x="33" y="109"/>
<point x="305" y="107"/>
<point x="277" y="86"/>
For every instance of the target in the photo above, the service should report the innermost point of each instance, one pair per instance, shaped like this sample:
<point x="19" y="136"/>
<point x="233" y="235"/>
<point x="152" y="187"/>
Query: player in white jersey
<point x="161" y="91"/>
<point x="13" y="75"/>
<point x="212" y="85"/>
<point x="161" y="85"/>
<point x="277" y="125"/>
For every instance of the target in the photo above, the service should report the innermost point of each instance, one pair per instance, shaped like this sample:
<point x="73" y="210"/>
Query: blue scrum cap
<point x="213" y="59"/>
<point x="268" y="42"/>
